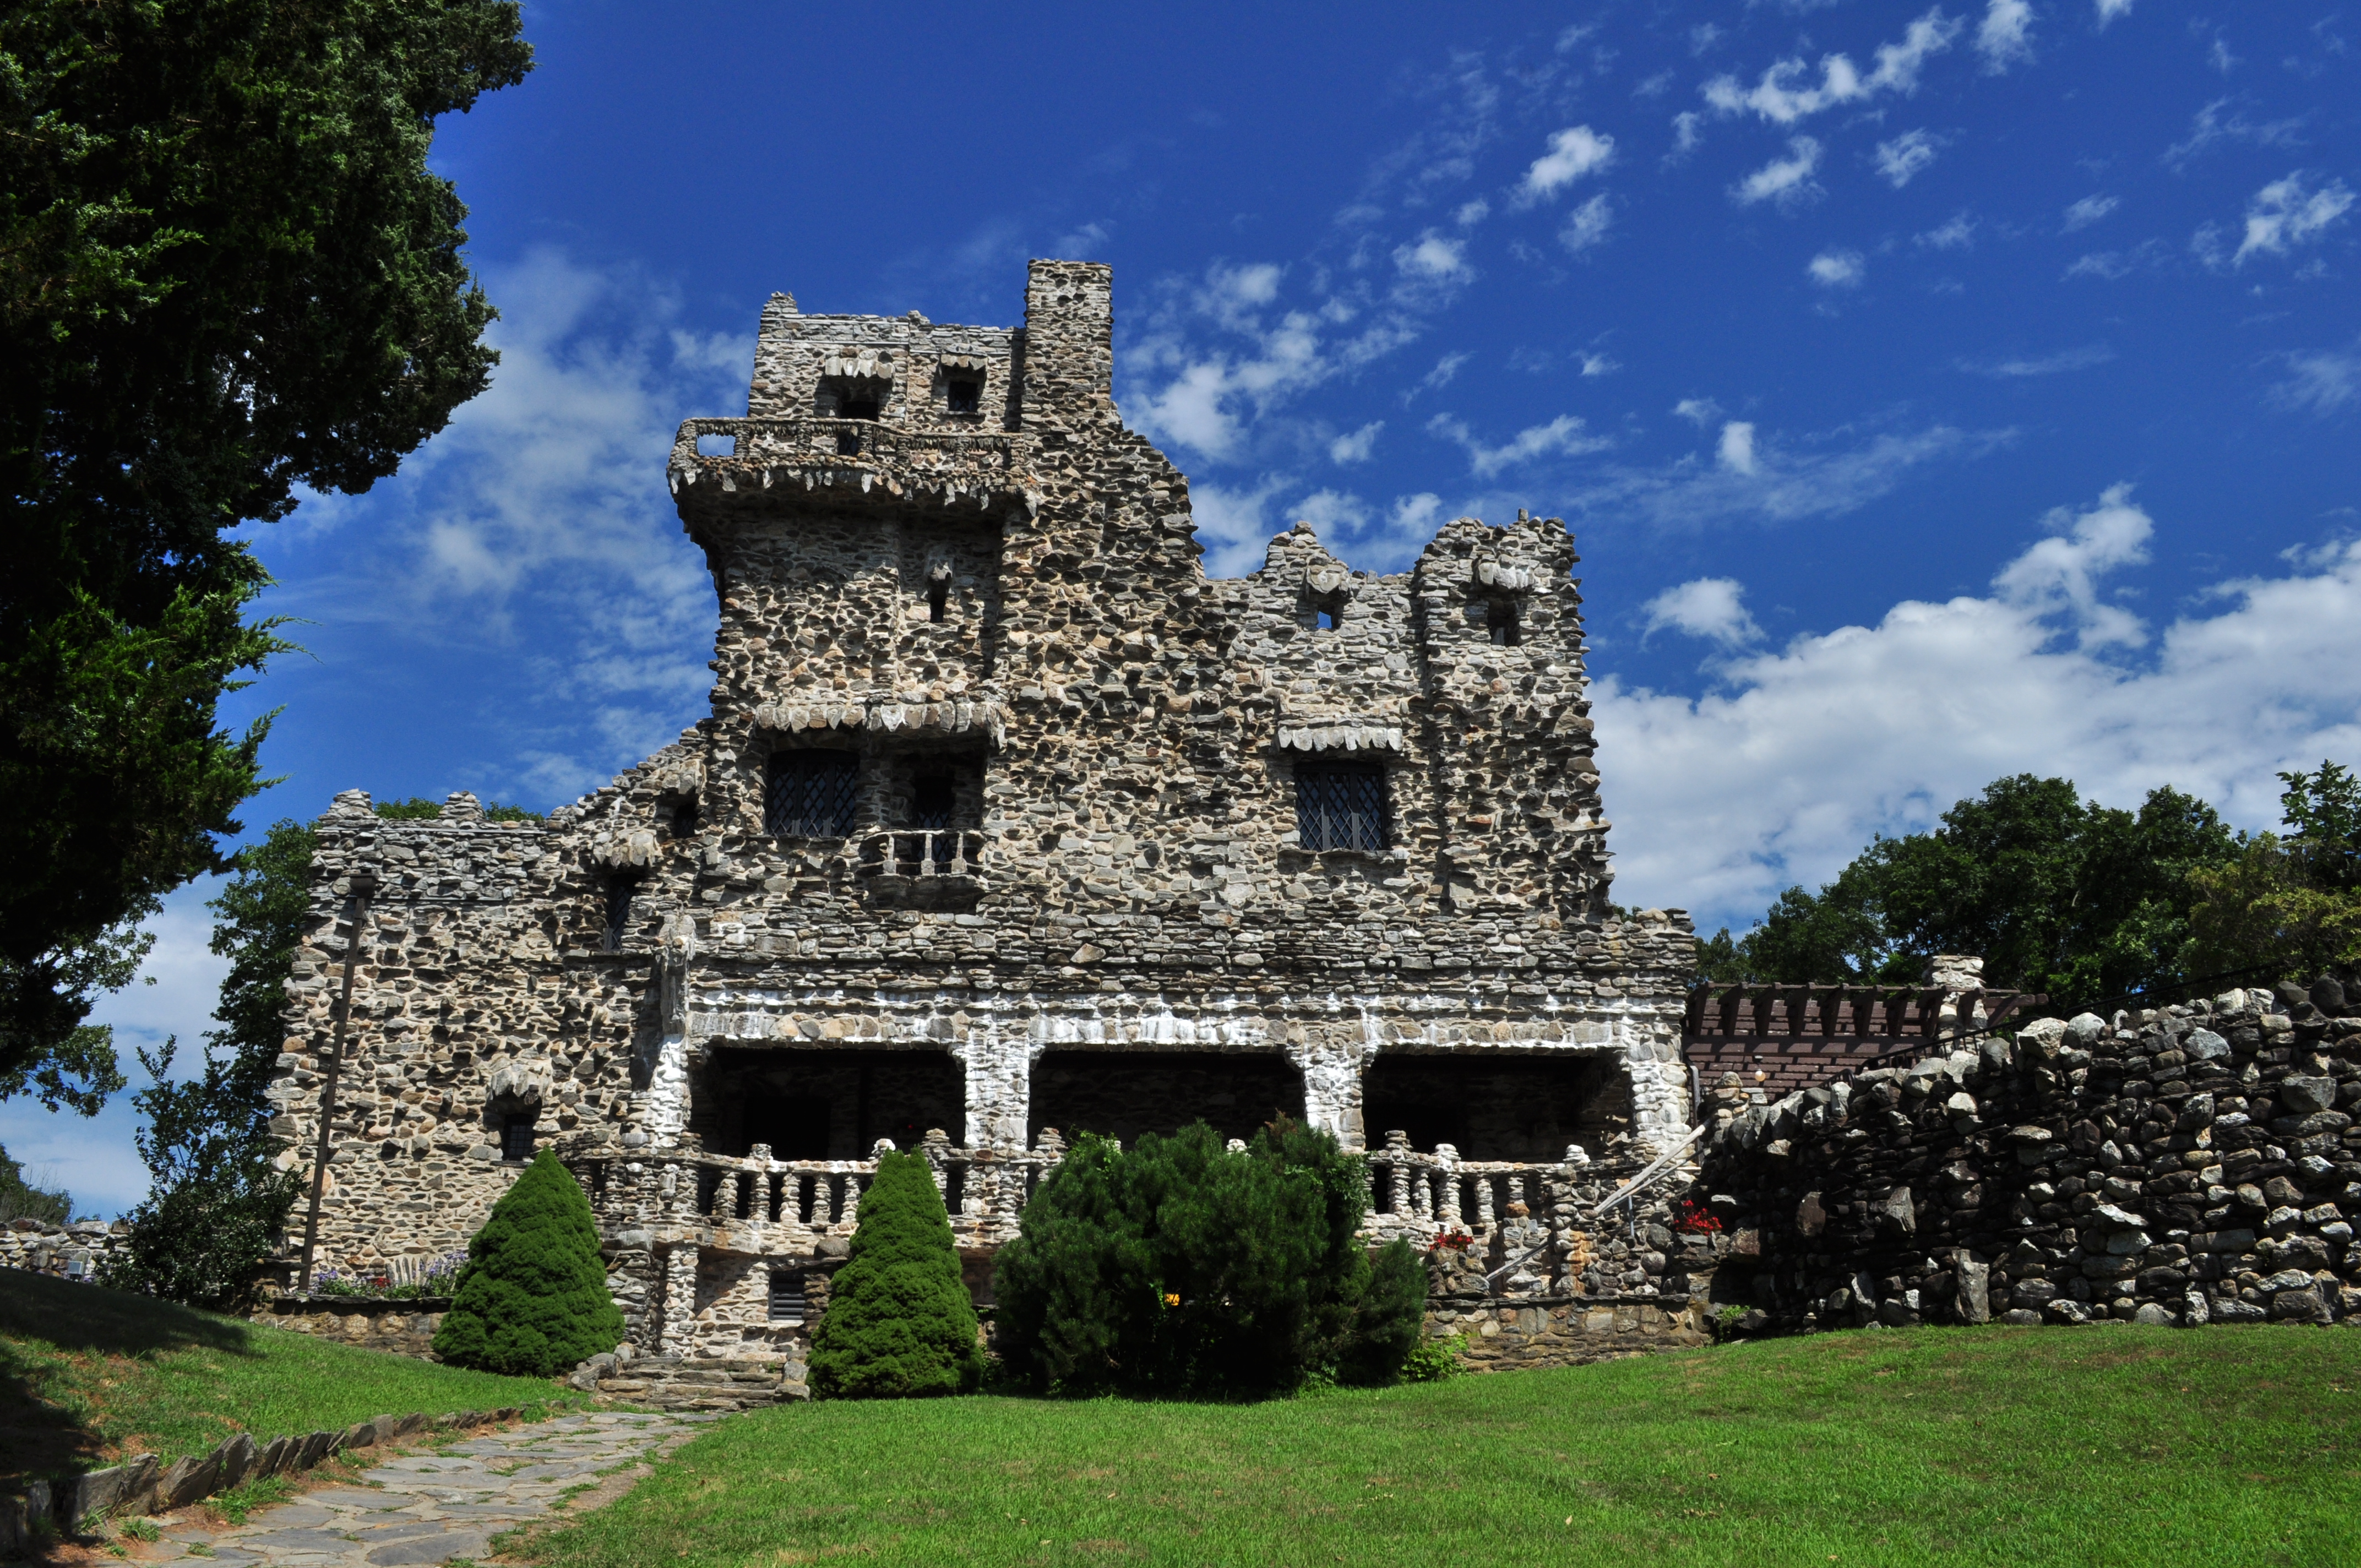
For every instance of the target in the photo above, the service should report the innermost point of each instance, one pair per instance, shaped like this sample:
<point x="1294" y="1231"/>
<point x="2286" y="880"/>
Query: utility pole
<point x="362" y="884"/>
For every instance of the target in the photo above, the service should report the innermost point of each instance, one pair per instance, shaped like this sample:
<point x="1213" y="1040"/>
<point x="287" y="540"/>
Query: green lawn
<point x="88" y="1375"/>
<point x="2028" y="1447"/>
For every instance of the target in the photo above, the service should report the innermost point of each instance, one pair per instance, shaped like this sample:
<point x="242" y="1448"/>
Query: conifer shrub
<point x="900" y="1323"/>
<point x="1182" y="1268"/>
<point x="533" y="1299"/>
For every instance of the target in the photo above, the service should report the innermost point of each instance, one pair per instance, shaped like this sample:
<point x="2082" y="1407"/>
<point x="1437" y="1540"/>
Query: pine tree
<point x="533" y="1299"/>
<point x="899" y="1323"/>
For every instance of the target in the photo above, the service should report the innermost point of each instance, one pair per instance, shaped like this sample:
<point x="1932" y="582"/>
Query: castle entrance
<point x="1498" y="1107"/>
<point x="825" y="1104"/>
<point x="1126" y="1094"/>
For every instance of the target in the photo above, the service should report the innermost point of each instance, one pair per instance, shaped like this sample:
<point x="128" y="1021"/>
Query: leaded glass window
<point x="516" y="1136"/>
<point x="1342" y="806"/>
<point x="812" y="795"/>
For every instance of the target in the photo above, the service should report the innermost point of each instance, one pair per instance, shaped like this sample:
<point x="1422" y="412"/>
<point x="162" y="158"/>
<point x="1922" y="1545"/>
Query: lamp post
<point x="361" y="884"/>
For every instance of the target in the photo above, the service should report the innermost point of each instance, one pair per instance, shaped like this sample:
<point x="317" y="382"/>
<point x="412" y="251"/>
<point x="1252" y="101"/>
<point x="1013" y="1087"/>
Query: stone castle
<point x="1008" y="824"/>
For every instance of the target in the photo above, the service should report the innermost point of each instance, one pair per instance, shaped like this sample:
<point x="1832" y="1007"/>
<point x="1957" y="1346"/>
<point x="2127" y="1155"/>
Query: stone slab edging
<point x="144" y="1485"/>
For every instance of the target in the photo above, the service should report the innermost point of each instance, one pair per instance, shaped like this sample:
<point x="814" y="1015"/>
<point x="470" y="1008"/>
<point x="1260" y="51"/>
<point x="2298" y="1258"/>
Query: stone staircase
<point x="712" y="1382"/>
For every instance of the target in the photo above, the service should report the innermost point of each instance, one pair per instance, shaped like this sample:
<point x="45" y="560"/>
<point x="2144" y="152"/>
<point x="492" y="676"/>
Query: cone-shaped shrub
<point x="899" y="1321"/>
<point x="1179" y="1267"/>
<point x="532" y="1298"/>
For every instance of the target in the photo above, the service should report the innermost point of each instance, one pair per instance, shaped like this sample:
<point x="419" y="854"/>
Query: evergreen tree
<point x="20" y="1200"/>
<point x="1183" y="1268"/>
<point x="218" y="1202"/>
<point x="899" y="1323"/>
<point x="532" y="1298"/>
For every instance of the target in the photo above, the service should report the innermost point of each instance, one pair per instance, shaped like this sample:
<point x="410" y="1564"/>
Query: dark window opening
<point x="1501" y="620"/>
<point x="1342" y="806"/>
<point x="679" y="815"/>
<point x="964" y="397"/>
<point x="1326" y="619"/>
<point x="516" y="1136"/>
<point x="787" y="1301"/>
<point x="934" y="801"/>
<point x="619" y="890"/>
<point x="859" y="406"/>
<point x="795" y="1125"/>
<point x="810" y="1104"/>
<point x="1127" y="1096"/>
<point x="1526" y="1108"/>
<point x="811" y="794"/>
<point x="848" y="444"/>
<point x="938" y="599"/>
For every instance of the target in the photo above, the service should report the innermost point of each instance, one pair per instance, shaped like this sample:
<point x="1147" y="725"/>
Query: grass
<point x="2094" y="1446"/>
<point x="90" y="1376"/>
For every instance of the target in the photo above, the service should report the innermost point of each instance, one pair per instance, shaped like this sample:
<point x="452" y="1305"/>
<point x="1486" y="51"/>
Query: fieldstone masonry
<point x="996" y="811"/>
<point x="2189" y="1165"/>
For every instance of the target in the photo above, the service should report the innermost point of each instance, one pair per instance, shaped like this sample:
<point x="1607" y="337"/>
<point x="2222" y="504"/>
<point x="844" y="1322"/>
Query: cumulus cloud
<point x="1737" y="450"/>
<point x="1837" y="269"/>
<point x="1588" y="224"/>
<point x="1599" y="364"/>
<point x="1902" y="160"/>
<point x="1357" y="446"/>
<point x="2005" y="38"/>
<point x="1470" y="213"/>
<point x="1434" y="258"/>
<point x="2088" y="210"/>
<point x="1786" y="180"/>
<point x="1782" y="96"/>
<point x="2287" y="212"/>
<point x="2110" y="9"/>
<point x="1959" y="234"/>
<point x="1234" y="522"/>
<point x="1573" y="152"/>
<point x="1687" y="132"/>
<point x="1710" y="607"/>
<point x="1565" y="436"/>
<point x="1880" y="727"/>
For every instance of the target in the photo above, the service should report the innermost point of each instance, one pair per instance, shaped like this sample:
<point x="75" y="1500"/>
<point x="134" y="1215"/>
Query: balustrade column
<point x="1483" y="1201"/>
<point x="1397" y="1149"/>
<point x="1447" y="1156"/>
<point x="823" y="1198"/>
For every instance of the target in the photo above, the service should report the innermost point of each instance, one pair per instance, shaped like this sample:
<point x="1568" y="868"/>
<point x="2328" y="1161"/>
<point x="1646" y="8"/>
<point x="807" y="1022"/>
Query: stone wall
<point x="2195" y="1163"/>
<point x="78" y="1251"/>
<point x="403" y="1327"/>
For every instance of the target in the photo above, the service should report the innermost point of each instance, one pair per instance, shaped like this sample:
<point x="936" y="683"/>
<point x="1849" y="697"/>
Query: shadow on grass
<point x="49" y="1333"/>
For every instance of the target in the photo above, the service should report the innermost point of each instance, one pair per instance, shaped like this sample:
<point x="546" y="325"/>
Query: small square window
<point x="1326" y="619"/>
<point x="788" y="1304"/>
<point x="516" y="1136"/>
<point x="1500" y="621"/>
<point x="858" y="407"/>
<point x="811" y="794"/>
<point x="1342" y="806"/>
<point x="964" y="397"/>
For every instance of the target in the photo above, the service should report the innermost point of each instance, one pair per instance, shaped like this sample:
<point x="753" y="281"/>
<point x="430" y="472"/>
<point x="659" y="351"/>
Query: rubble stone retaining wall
<point x="404" y="1327"/>
<point x="2193" y="1165"/>
<point x="69" y="1252"/>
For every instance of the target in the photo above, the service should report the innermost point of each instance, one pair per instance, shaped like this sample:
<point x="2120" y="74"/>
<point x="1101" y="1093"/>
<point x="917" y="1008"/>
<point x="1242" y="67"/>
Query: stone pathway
<point x="434" y="1505"/>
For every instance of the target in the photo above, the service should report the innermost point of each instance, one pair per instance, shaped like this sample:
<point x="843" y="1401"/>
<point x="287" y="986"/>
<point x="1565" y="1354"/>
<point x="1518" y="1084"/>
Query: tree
<point x="2056" y="893"/>
<point x="20" y="1200"/>
<point x="533" y="1297"/>
<point x="218" y="1202"/>
<point x="899" y="1323"/>
<point x="1182" y="1268"/>
<point x="2290" y="904"/>
<point x="225" y="271"/>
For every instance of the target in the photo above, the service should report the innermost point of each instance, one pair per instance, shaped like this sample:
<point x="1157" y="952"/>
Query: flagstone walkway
<point x="431" y="1506"/>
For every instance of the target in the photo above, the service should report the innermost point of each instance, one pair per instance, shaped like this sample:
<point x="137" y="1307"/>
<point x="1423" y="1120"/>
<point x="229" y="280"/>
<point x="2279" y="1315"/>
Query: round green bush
<point x="899" y="1323"/>
<point x="532" y="1298"/>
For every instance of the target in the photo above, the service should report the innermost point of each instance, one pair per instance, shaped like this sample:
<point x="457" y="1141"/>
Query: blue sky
<point x="1935" y="392"/>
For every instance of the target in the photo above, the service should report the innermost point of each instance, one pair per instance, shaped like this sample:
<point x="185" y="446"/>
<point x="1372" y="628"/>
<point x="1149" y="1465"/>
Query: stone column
<point x="1331" y="1086"/>
<point x="999" y="1086"/>
<point x="679" y="1326"/>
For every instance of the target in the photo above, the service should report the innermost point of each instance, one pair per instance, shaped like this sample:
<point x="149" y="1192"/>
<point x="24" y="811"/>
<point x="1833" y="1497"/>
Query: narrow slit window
<point x="620" y="891"/>
<point x="516" y="1136"/>
<point x="1501" y="620"/>
<point x="812" y="795"/>
<point x="939" y="598"/>
<point x="1342" y="806"/>
<point x="964" y="397"/>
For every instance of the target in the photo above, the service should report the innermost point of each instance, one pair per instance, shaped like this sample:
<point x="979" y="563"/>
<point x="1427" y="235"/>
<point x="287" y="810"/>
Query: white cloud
<point x="1686" y="133"/>
<point x="1902" y="160"/>
<point x="2322" y="382"/>
<point x="1333" y="513"/>
<point x="2285" y="213"/>
<point x="1563" y="436"/>
<point x="1700" y="411"/>
<point x="1599" y="364"/>
<point x="1412" y="518"/>
<point x="2005" y="37"/>
<point x="1737" y="450"/>
<point x="2059" y="575"/>
<point x="1573" y="152"/>
<point x="1470" y="213"/>
<point x="1588" y="224"/>
<point x="1787" y="179"/>
<point x="2212" y="127"/>
<point x="1357" y="446"/>
<point x="1234" y="523"/>
<point x="2088" y="210"/>
<point x="1783" y="775"/>
<point x="2049" y="364"/>
<point x="1959" y="234"/>
<point x="2114" y="264"/>
<point x="1779" y="98"/>
<point x="1710" y="607"/>
<point x="1445" y="369"/>
<point x="1434" y="258"/>
<point x="2110" y="9"/>
<point x="1837" y="269"/>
